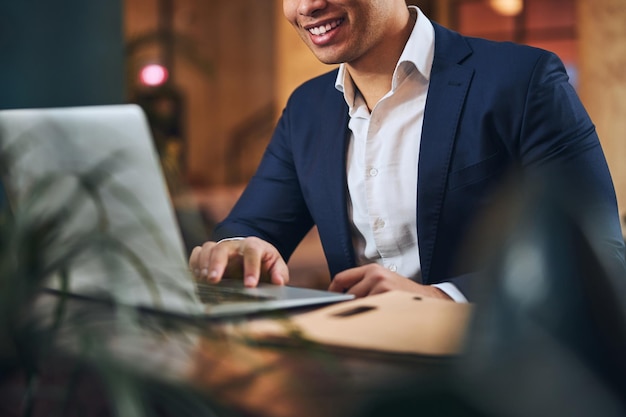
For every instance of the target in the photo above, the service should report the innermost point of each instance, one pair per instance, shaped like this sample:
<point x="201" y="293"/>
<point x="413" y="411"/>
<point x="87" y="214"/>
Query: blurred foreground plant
<point x="59" y="359"/>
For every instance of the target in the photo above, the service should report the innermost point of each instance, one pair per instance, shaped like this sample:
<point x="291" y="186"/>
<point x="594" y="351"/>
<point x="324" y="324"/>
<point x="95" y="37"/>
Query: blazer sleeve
<point x="301" y="178"/>
<point x="551" y="137"/>
<point x="272" y="206"/>
<point x="558" y="139"/>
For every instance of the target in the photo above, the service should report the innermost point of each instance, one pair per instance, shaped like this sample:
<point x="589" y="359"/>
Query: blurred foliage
<point x="60" y="359"/>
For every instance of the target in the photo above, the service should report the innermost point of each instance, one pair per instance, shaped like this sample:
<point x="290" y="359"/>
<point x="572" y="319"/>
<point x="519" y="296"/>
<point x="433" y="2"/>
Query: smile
<point x="322" y="29"/>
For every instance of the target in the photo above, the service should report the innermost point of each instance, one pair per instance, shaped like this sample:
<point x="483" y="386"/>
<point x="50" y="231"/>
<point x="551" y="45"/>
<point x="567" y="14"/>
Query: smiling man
<point x="394" y="154"/>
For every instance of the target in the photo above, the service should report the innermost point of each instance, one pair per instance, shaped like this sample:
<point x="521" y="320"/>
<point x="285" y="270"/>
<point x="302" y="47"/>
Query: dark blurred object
<point x="549" y="332"/>
<point x="195" y="225"/>
<point x="164" y="108"/>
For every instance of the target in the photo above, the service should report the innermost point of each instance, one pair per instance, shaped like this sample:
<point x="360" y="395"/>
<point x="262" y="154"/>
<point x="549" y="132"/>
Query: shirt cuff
<point x="226" y="239"/>
<point x="452" y="291"/>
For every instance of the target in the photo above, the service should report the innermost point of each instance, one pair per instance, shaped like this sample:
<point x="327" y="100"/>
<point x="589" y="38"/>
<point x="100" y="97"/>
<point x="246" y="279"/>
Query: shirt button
<point x="379" y="224"/>
<point x="373" y="172"/>
<point x="393" y="268"/>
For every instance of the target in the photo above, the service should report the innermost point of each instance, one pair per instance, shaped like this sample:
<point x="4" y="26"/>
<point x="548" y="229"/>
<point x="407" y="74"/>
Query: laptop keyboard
<point x="215" y="294"/>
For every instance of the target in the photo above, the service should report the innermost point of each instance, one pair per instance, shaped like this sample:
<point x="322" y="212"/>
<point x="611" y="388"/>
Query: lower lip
<point x="321" y="40"/>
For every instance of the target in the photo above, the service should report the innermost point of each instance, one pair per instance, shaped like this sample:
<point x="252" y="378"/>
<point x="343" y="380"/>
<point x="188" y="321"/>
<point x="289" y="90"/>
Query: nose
<point x="310" y="7"/>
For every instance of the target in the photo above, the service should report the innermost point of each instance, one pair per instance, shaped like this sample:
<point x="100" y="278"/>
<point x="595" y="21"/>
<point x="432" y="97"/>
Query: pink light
<point x="153" y="75"/>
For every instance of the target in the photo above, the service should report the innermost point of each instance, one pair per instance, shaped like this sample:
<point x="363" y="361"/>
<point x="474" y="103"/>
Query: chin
<point x="329" y="61"/>
<point x="327" y="58"/>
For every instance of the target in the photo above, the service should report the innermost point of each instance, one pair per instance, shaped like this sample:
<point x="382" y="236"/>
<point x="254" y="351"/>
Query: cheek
<point x="290" y="8"/>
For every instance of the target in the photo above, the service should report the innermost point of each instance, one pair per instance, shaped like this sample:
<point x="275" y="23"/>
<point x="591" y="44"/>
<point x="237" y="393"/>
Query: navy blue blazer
<point x="490" y="107"/>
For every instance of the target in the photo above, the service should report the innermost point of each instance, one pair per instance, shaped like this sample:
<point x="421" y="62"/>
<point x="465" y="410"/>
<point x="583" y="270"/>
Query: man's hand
<point x="375" y="279"/>
<point x="230" y="258"/>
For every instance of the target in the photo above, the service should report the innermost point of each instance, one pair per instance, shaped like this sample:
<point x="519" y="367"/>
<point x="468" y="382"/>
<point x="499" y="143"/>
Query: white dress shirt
<point x="383" y="158"/>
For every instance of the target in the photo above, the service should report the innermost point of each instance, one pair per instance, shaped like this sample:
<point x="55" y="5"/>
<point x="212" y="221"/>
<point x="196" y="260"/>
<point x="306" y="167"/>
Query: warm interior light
<point x="153" y="75"/>
<point x="507" y="7"/>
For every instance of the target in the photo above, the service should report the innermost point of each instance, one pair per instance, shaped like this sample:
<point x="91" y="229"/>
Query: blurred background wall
<point x="220" y="56"/>
<point x="61" y="53"/>
<point x="602" y="86"/>
<point x="231" y="64"/>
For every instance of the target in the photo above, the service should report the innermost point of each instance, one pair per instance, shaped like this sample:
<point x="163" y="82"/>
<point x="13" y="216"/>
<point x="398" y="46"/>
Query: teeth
<point x="320" y="30"/>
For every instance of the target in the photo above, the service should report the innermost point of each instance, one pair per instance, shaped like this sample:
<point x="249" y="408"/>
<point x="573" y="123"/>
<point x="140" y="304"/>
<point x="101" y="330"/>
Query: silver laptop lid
<point x="101" y="167"/>
<point x="100" y="164"/>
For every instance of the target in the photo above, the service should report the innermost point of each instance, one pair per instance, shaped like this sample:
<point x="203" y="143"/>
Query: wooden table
<point x="207" y="361"/>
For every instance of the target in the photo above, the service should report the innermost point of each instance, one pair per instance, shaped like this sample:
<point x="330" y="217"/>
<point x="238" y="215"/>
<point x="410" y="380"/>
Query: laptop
<point x="97" y="170"/>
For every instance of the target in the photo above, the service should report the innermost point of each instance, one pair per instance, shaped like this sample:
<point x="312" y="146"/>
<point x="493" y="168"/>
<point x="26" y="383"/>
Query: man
<point x="394" y="154"/>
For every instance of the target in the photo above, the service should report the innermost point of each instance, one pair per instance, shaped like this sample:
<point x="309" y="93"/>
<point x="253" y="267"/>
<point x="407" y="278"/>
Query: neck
<point x="373" y="74"/>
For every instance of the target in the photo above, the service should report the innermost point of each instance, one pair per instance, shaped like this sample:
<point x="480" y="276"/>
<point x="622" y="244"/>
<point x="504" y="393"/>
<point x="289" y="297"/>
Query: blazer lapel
<point x="449" y="84"/>
<point x="334" y="134"/>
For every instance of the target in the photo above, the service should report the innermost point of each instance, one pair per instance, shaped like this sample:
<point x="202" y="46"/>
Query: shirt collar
<point x="419" y="51"/>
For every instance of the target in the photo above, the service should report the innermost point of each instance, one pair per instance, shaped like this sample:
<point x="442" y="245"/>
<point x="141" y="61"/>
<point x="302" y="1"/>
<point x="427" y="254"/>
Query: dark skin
<point x="368" y="36"/>
<point x="261" y="260"/>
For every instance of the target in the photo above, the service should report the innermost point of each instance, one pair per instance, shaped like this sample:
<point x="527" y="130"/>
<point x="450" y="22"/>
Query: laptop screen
<point x="96" y="173"/>
<point x="97" y="170"/>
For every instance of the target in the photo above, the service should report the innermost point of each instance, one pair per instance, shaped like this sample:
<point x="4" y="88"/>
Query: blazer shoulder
<point x="453" y="46"/>
<point x="507" y="50"/>
<point x="318" y="88"/>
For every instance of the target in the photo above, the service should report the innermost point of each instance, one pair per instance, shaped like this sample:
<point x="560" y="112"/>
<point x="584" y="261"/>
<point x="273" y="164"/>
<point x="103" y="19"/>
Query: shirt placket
<point x="375" y="177"/>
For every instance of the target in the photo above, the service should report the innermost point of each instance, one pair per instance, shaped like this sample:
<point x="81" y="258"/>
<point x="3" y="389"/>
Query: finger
<point x="251" y="254"/>
<point x="362" y="288"/>
<point x="199" y="260"/>
<point x="194" y="267"/>
<point x="218" y="256"/>
<point x="345" y="280"/>
<point x="279" y="272"/>
<point x="376" y="290"/>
